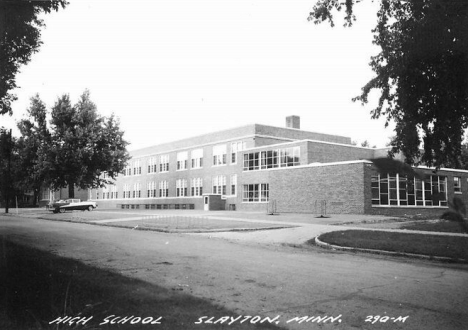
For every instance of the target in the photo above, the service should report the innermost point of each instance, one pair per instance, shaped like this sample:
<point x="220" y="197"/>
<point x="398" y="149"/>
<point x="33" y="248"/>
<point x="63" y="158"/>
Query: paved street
<point x="267" y="280"/>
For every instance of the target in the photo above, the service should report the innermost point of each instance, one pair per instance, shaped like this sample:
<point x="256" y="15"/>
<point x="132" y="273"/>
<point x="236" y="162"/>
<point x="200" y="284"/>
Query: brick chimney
<point x="293" y="122"/>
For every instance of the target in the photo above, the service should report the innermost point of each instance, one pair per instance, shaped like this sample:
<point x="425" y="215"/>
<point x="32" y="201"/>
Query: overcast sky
<point x="172" y="69"/>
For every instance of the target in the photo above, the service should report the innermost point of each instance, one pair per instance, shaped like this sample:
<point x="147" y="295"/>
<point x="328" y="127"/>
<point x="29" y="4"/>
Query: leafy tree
<point x="20" y="37"/>
<point x="9" y="169"/>
<point x="421" y="73"/>
<point x="83" y="145"/>
<point x="35" y="136"/>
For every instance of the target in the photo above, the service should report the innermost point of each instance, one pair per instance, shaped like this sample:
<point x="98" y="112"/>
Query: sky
<point x="174" y="69"/>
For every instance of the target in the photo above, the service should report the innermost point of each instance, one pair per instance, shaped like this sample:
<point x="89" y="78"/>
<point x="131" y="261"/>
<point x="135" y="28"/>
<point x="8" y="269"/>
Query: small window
<point x="457" y="184"/>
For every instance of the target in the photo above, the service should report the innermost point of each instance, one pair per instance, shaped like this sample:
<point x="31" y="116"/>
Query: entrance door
<point x="206" y="204"/>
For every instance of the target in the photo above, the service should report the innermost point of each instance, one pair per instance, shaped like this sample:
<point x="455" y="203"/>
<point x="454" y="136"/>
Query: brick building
<point x="265" y="168"/>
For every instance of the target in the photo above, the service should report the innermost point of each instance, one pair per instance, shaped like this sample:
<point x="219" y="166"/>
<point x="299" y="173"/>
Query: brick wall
<point x="302" y="190"/>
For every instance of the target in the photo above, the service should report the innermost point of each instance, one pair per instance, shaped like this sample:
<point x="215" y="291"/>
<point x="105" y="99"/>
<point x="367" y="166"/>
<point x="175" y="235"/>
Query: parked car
<point x="71" y="204"/>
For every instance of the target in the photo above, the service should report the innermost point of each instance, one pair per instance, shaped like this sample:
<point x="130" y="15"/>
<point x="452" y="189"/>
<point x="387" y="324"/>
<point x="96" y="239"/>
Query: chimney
<point x="293" y="122"/>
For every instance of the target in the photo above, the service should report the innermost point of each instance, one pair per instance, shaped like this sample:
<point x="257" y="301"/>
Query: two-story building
<point x="283" y="169"/>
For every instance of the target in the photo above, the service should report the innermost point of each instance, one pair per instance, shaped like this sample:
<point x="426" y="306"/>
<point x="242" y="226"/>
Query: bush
<point x="452" y="216"/>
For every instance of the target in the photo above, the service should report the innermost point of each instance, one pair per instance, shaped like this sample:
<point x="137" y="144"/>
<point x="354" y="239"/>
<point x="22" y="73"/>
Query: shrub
<point x="452" y="216"/>
<point x="457" y="213"/>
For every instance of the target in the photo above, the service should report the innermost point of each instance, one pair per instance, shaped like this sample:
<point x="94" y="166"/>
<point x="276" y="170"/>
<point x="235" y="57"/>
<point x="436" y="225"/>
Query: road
<point x="267" y="280"/>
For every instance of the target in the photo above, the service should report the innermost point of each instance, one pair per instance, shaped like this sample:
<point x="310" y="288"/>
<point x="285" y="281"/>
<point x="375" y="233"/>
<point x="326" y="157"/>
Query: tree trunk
<point x="71" y="190"/>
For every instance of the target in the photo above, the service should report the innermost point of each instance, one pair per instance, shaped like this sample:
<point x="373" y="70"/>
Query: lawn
<point x="438" y="225"/>
<point x="37" y="287"/>
<point x="454" y="247"/>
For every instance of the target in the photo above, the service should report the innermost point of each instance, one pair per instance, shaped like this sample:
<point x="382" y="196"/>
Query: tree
<point x="20" y="37"/>
<point x="421" y="73"/>
<point x="35" y="136"/>
<point x="9" y="169"/>
<point x="83" y="146"/>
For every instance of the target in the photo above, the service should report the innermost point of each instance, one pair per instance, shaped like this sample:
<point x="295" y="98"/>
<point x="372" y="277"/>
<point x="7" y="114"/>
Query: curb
<point x="325" y="245"/>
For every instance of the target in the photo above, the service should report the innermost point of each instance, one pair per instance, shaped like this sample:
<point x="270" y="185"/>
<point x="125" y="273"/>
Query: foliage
<point x="421" y="73"/>
<point x="78" y="146"/>
<point x="392" y="166"/>
<point x="20" y="38"/>
<point x="457" y="213"/>
<point x="10" y="172"/>
<point x="34" y="137"/>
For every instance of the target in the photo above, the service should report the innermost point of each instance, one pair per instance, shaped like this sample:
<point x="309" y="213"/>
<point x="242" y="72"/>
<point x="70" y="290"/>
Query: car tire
<point x="90" y="208"/>
<point x="62" y="210"/>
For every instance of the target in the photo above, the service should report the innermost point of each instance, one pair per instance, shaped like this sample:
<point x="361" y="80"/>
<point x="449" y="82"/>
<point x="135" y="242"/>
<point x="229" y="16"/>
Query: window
<point x="219" y="185"/>
<point x="289" y="156"/>
<point x="219" y="155"/>
<point x="251" y="161"/>
<point x="235" y="148"/>
<point x="151" y="189"/>
<point x="396" y="190"/>
<point x="163" y="189"/>
<point x="136" y="167"/>
<point x="196" y="187"/>
<point x="136" y="190"/>
<point x="457" y="184"/>
<point x="105" y="192"/>
<point x="127" y="170"/>
<point x="114" y="194"/>
<point x="197" y="158"/>
<point x="182" y="160"/>
<point x="164" y="163"/>
<point x="272" y="159"/>
<point x="152" y="165"/>
<point x="181" y="188"/>
<point x="259" y="192"/>
<point x="126" y="191"/>
<point x="234" y="184"/>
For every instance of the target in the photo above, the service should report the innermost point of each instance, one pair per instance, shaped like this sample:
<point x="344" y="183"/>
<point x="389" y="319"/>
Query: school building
<point x="275" y="169"/>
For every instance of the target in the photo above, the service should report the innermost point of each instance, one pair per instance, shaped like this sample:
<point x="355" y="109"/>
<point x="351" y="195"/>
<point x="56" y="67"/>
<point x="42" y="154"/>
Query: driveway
<point x="267" y="280"/>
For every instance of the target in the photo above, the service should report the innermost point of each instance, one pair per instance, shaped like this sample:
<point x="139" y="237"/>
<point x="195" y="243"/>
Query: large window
<point x="197" y="158"/>
<point x="137" y="190"/>
<point x="235" y="148"/>
<point x="136" y="167"/>
<point x="182" y="160"/>
<point x="152" y="165"/>
<point x="219" y="155"/>
<point x="396" y="190"/>
<point x="126" y="191"/>
<point x="262" y="160"/>
<point x="259" y="192"/>
<point x="219" y="185"/>
<point x="151" y="189"/>
<point x="181" y="187"/>
<point x="163" y="189"/>
<point x="164" y="163"/>
<point x="114" y="193"/>
<point x="196" y="186"/>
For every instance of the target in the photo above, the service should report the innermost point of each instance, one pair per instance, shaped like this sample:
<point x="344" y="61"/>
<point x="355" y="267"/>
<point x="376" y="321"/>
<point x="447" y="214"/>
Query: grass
<point x="37" y="287"/>
<point x="439" y="226"/>
<point x="162" y="222"/>
<point x="454" y="247"/>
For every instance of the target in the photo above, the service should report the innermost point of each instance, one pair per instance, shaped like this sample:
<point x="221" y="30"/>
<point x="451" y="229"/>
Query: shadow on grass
<point x="454" y="247"/>
<point x="37" y="287"/>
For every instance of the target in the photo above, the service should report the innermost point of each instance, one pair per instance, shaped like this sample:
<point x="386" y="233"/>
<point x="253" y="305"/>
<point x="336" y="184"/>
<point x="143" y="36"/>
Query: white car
<point x="71" y="204"/>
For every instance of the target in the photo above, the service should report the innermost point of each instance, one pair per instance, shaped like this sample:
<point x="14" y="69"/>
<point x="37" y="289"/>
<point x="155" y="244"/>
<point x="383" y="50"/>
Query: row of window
<point x="162" y="188"/>
<point x="196" y="157"/>
<point x="262" y="160"/>
<point x="396" y="190"/>
<point x="259" y="192"/>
